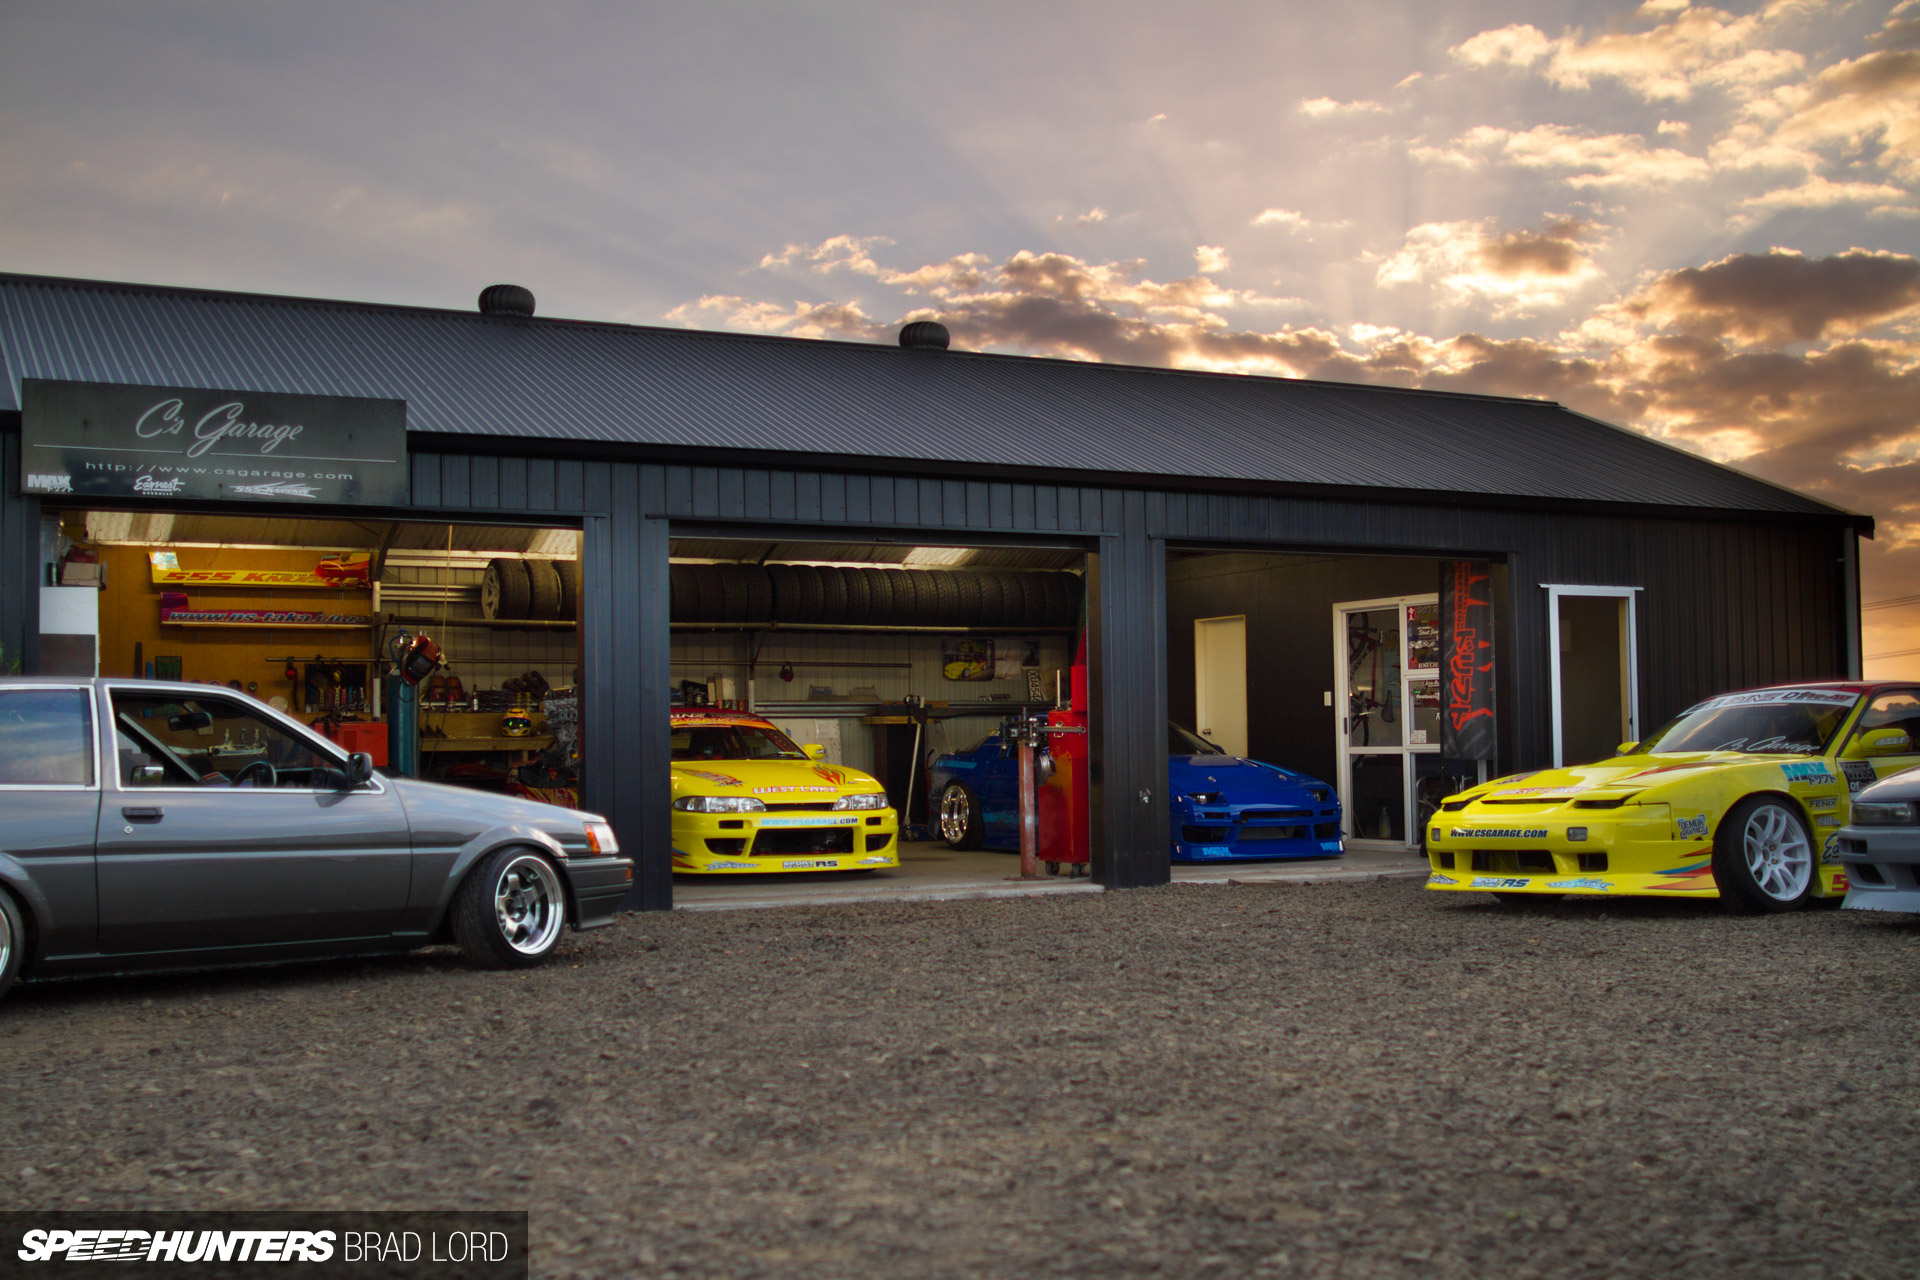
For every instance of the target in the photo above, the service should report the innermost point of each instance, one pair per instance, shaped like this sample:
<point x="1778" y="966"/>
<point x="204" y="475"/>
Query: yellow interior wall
<point x="130" y="614"/>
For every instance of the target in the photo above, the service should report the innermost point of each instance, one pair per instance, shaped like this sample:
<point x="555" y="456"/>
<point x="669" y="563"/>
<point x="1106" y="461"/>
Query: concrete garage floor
<point x="930" y="871"/>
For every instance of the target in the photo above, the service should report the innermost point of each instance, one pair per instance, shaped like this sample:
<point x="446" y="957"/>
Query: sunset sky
<point x="1703" y="223"/>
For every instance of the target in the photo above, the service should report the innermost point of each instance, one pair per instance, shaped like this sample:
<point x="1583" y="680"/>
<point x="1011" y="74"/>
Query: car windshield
<point x="1769" y="721"/>
<point x="733" y="742"/>
<point x="1185" y="742"/>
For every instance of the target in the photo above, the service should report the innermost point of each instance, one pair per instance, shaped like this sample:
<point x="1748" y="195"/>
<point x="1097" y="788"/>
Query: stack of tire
<point x="534" y="590"/>
<point x="862" y="598"/>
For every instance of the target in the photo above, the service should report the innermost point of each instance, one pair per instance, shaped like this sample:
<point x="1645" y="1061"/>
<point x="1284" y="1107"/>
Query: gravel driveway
<point x="1253" y="1080"/>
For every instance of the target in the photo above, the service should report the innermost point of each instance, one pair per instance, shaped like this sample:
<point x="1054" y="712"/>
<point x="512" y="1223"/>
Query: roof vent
<point x="928" y="334"/>
<point x="506" y="300"/>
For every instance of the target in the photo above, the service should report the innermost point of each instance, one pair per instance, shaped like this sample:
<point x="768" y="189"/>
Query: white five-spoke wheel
<point x="1763" y="857"/>
<point x="511" y="910"/>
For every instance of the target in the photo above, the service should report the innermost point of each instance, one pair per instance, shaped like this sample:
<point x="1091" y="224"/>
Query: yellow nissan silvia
<point x="746" y="800"/>
<point x="1739" y="798"/>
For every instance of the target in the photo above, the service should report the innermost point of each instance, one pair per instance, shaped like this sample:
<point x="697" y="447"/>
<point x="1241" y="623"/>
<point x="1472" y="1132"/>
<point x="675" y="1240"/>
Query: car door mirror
<point x="359" y="770"/>
<point x="1886" y="742"/>
<point x="1625" y="748"/>
<point x="816" y="751"/>
<point x="147" y="775"/>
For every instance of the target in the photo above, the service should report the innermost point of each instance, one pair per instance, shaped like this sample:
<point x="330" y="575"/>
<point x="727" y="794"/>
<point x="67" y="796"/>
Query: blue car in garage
<point x="1223" y="807"/>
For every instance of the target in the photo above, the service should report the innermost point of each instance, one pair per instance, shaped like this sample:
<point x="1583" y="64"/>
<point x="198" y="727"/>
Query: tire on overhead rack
<point x="855" y="612"/>
<point x="879" y="596"/>
<point x="543" y="590"/>
<point x="992" y="600"/>
<point x="813" y="594"/>
<point x="907" y="605"/>
<point x="683" y="597"/>
<point x="569" y="571"/>
<point x="709" y="597"/>
<point x="833" y="596"/>
<point x="926" y="597"/>
<point x="504" y="592"/>
<point x="784" y="582"/>
<point x="735" y="595"/>
<point x="1060" y="599"/>
<point x="960" y="597"/>
<point x="759" y="593"/>
<point x="1013" y="599"/>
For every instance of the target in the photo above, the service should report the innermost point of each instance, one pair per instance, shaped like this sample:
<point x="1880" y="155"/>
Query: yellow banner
<point x="332" y="575"/>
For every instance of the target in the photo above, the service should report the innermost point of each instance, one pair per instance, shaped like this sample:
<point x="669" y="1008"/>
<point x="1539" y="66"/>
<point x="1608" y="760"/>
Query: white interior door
<point x="1220" y="681"/>
<point x="1596" y="702"/>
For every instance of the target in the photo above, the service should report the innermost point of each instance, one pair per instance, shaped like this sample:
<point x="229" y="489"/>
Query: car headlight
<point x="601" y="840"/>
<point x="864" y="800"/>
<point x="1885" y="813"/>
<point x="719" y="804"/>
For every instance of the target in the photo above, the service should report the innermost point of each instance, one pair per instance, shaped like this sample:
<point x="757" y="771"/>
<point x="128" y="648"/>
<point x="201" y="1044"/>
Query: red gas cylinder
<point x="1064" y="808"/>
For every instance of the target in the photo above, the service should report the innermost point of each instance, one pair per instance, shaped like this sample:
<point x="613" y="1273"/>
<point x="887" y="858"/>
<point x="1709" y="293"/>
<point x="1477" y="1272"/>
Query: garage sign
<point x="113" y="440"/>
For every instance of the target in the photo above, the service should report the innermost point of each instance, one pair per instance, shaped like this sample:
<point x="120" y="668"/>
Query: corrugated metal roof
<point x="471" y="374"/>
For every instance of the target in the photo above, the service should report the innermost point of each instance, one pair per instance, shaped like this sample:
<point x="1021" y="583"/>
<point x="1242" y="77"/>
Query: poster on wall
<point x="969" y="659"/>
<point x="1467" y="721"/>
<point x="113" y="440"/>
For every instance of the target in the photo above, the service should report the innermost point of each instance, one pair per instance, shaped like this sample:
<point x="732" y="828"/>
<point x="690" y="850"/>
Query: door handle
<point x="136" y="813"/>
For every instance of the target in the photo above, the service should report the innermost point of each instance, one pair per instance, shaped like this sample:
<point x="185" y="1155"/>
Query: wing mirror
<point x="359" y="770"/>
<point x="1886" y="742"/>
<point x="1625" y="748"/>
<point x="816" y="751"/>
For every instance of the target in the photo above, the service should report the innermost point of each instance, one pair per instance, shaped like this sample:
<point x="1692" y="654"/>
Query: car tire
<point x="511" y="910"/>
<point x="504" y="592"/>
<point x="13" y="941"/>
<point x="1763" y="857"/>
<point x="569" y="571"/>
<point x="544" y="591"/>
<point x="960" y="821"/>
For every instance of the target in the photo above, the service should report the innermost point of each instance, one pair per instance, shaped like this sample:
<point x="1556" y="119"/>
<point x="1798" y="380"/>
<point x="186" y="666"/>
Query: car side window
<point x="46" y="738"/>
<point x="213" y="742"/>
<point x="1895" y="709"/>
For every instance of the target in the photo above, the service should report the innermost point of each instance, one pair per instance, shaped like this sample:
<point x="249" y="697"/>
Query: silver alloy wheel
<point x="529" y="905"/>
<point x="955" y="810"/>
<point x="1778" y="853"/>
<point x="6" y="942"/>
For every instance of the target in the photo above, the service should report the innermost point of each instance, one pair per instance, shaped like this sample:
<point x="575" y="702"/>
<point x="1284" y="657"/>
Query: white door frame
<point x="1201" y="702"/>
<point x="1630" y="642"/>
<point x="1343" y="752"/>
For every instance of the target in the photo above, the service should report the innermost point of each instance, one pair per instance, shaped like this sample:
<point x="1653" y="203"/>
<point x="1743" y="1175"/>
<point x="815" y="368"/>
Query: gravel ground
<point x="1256" y="1080"/>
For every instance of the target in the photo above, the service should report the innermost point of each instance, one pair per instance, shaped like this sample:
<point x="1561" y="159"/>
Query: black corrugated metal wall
<point x="1725" y="602"/>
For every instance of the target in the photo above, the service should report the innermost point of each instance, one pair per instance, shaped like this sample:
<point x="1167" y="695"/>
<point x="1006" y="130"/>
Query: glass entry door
<point x="1387" y="658"/>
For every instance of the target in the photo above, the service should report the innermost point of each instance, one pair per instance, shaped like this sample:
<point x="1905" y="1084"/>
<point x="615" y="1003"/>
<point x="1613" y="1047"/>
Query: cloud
<point x="1298" y="223"/>
<point x="1875" y="98"/>
<point x="1517" y="271"/>
<point x="1209" y="258"/>
<point x="1689" y="47"/>
<point x="1588" y="160"/>
<point x="1321" y="108"/>
<point x="1819" y="193"/>
<point x="844" y="320"/>
<point x="839" y="253"/>
<point x="1091" y="216"/>
<point x="1782" y="297"/>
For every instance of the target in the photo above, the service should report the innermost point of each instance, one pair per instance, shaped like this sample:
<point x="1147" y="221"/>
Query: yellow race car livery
<point x="747" y="801"/>
<point x="1740" y="797"/>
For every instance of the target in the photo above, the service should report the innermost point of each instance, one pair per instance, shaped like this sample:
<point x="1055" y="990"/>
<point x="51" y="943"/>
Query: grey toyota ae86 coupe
<point x="148" y="824"/>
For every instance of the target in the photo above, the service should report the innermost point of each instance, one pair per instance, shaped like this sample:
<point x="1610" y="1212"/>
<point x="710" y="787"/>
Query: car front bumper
<point x="598" y="886"/>
<point x="1882" y="866"/>
<point x="1627" y="852"/>
<point x="766" y="843"/>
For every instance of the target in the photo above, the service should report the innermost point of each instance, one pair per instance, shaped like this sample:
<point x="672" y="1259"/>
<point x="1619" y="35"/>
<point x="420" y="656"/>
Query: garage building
<point x="1285" y="557"/>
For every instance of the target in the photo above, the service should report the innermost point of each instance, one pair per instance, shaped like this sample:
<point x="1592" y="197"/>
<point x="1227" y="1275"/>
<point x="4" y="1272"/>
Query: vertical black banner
<point x="1466" y="686"/>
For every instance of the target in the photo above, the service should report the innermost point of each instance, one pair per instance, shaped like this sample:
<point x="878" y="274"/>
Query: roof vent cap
<point x="506" y="300"/>
<point x="926" y="334"/>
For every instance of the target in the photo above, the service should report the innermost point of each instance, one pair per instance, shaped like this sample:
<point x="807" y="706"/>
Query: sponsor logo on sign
<point x="1694" y="827"/>
<point x="152" y="487"/>
<point x="1499" y="882"/>
<point x="1859" y="774"/>
<point x="279" y="489"/>
<point x="810" y="820"/>
<point x="1498" y="833"/>
<point x="50" y="484"/>
<point x="1582" y="886"/>
<point x="1806" y="771"/>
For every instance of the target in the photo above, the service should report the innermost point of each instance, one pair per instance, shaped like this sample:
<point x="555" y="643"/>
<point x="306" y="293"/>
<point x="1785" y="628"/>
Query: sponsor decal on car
<point x="774" y="791"/>
<point x="1330" y="846"/>
<point x="722" y="779"/>
<point x="1437" y="878"/>
<point x="1586" y="885"/>
<point x="811" y="820"/>
<point x="1695" y="827"/>
<point x="1498" y="833"/>
<point x="1538" y="791"/>
<point x="810" y="864"/>
<point x="1499" y="882"/>
<point x="877" y="861"/>
<point x="1859" y="774"/>
<point x="730" y="866"/>
<point x="1830" y="851"/>
<point x="1781" y="698"/>
<point x="1827" y="820"/>
<point x="1840" y="883"/>
<point x="1806" y="771"/>
<point x="1817" y="803"/>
